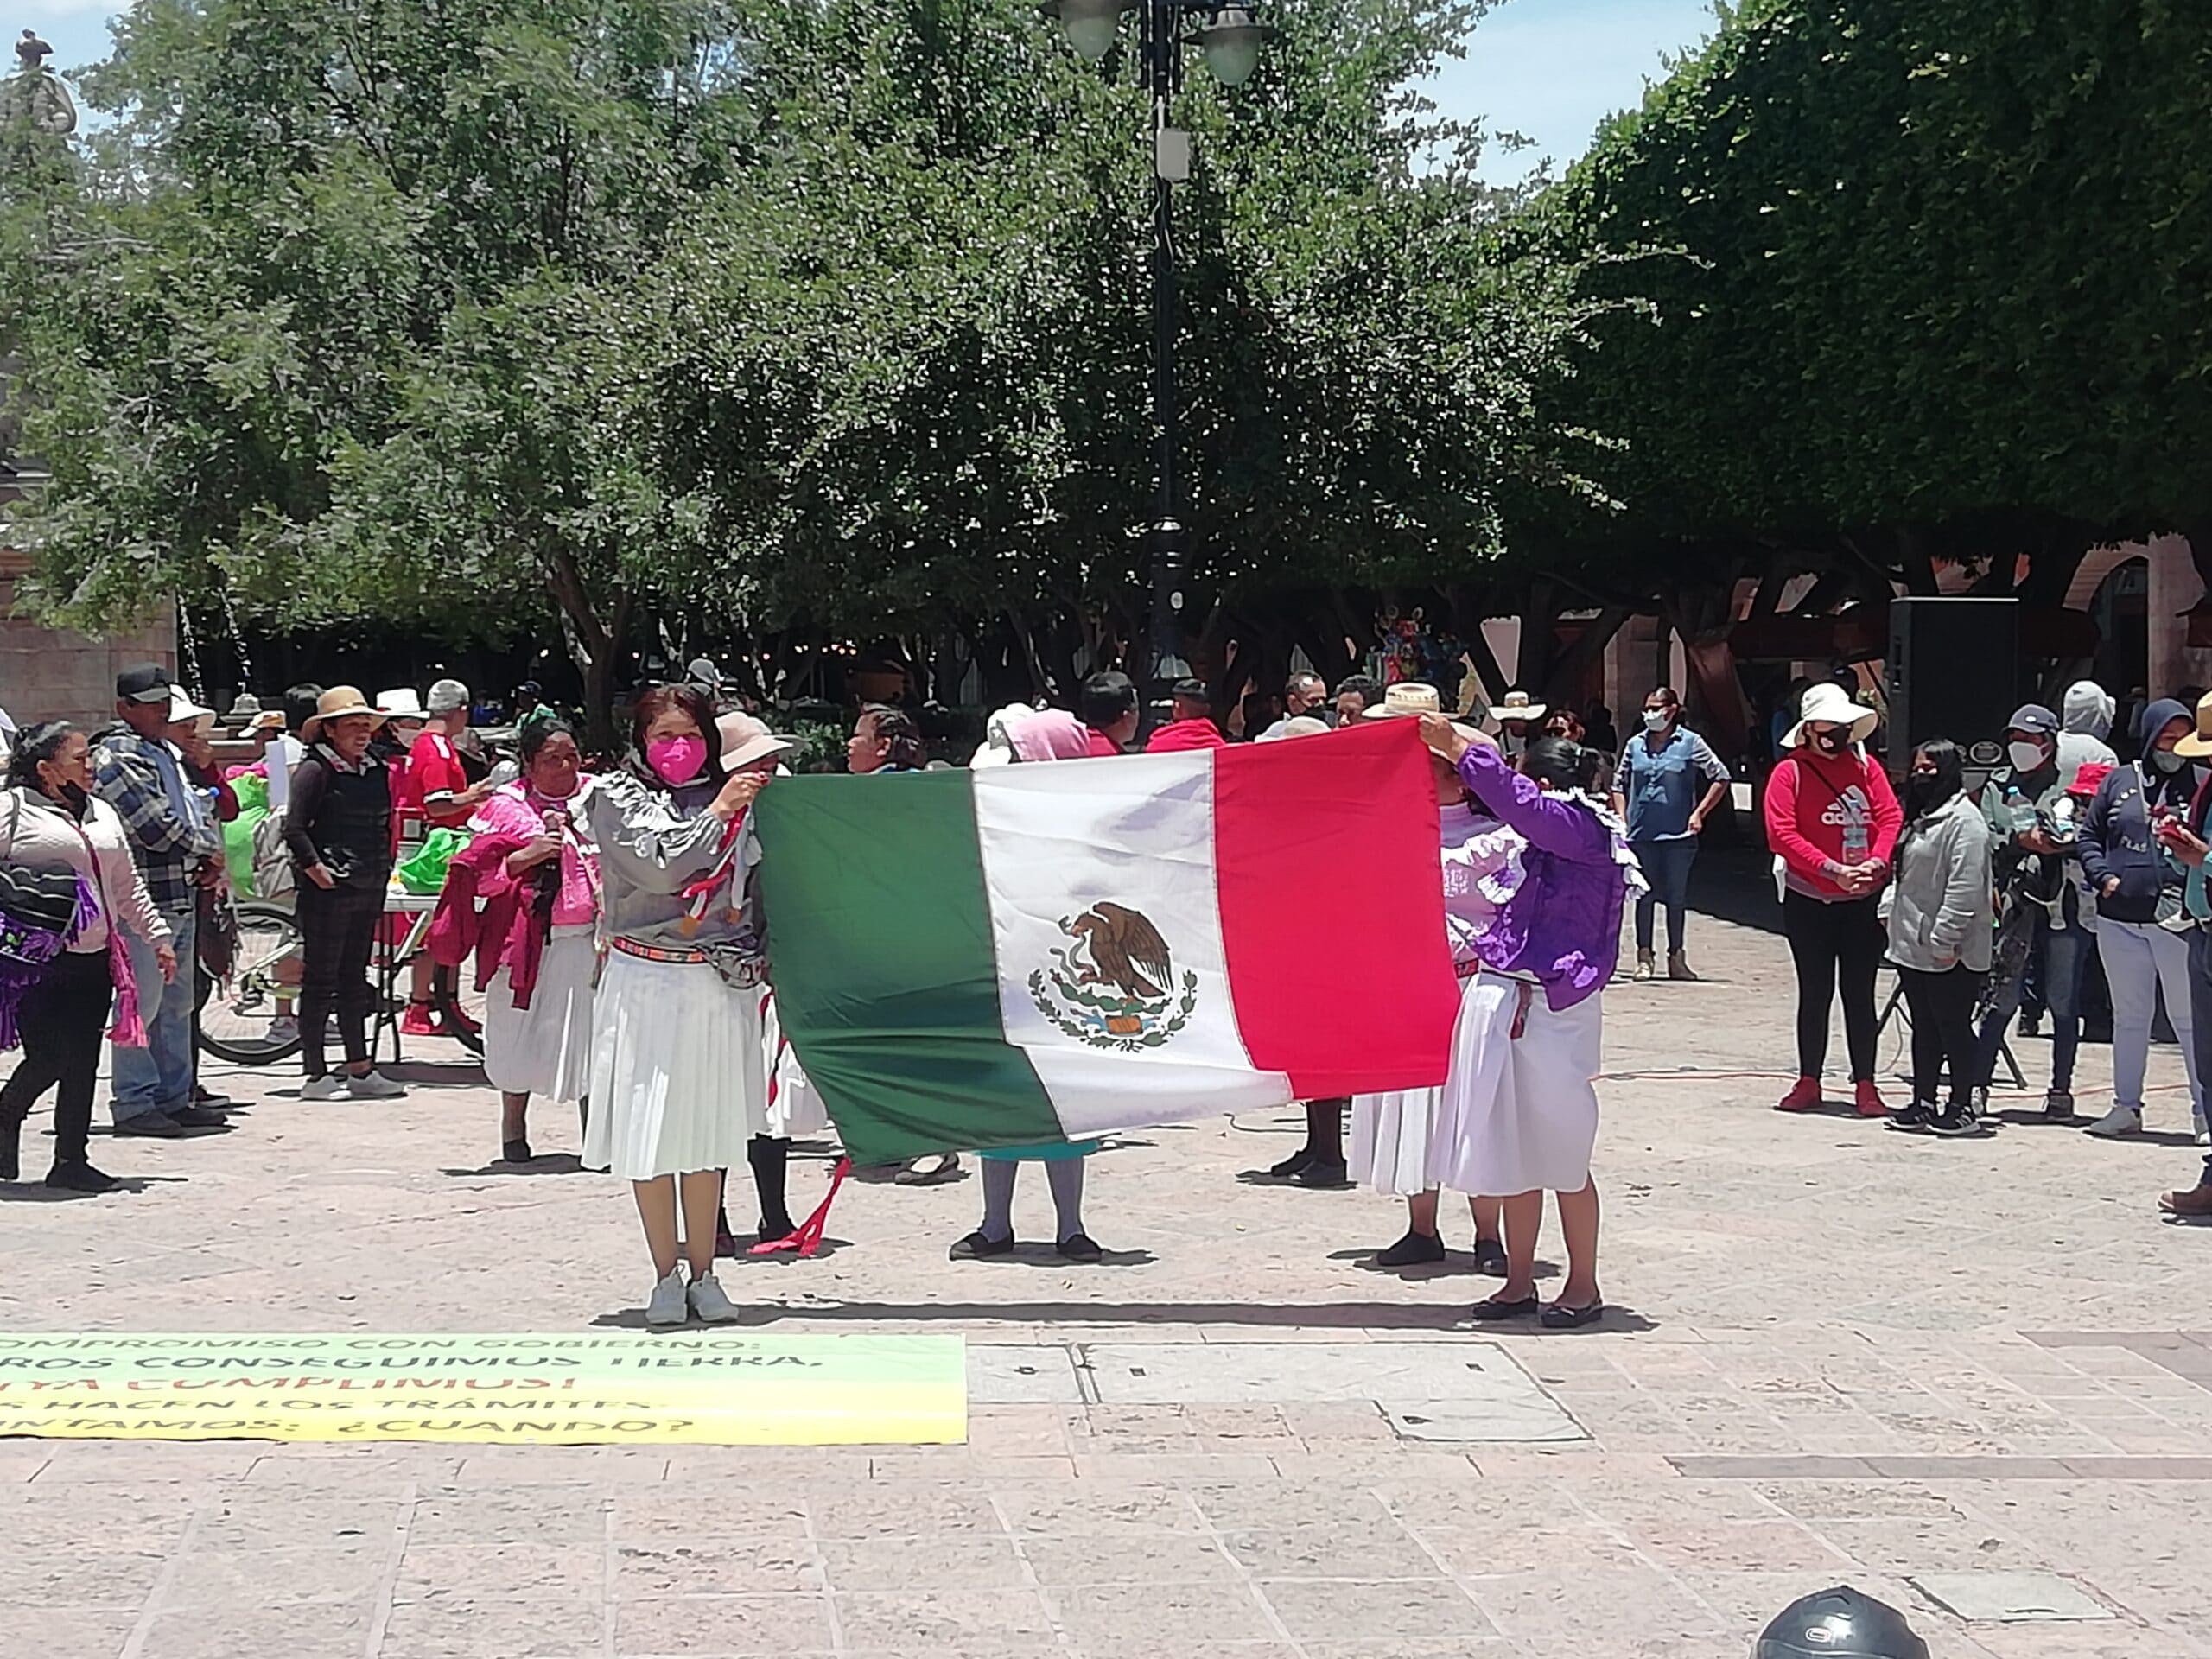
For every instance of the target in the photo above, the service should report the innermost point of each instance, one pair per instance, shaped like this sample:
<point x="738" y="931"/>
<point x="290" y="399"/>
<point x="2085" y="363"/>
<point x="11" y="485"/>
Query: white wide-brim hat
<point x="402" y="704"/>
<point x="1516" y="706"/>
<point x="746" y="740"/>
<point x="1830" y="705"/>
<point x="1405" y="700"/>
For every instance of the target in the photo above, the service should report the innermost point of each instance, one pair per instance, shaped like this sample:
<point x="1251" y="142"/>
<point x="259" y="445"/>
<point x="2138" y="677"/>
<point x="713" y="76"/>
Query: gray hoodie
<point x="1941" y="911"/>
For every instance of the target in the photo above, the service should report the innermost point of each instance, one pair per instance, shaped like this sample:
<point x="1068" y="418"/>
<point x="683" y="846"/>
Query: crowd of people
<point x="2070" y="866"/>
<point x="607" y="913"/>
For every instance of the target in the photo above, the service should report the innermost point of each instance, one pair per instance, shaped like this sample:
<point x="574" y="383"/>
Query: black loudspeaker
<point x="1954" y="671"/>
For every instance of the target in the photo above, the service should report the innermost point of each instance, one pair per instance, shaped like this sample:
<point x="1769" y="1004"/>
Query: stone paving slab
<point x="1835" y="1353"/>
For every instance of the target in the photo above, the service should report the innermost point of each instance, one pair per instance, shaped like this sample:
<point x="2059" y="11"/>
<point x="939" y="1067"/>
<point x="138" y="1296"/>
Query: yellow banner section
<point x="615" y="1388"/>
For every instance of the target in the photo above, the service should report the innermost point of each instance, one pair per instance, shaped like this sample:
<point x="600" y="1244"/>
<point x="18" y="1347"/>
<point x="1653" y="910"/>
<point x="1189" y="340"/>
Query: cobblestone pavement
<point x="1839" y="1354"/>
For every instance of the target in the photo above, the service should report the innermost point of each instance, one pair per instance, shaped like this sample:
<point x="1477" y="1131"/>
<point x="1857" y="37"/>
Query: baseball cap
<point x="148" y="683"/>
<point x="1190" y="690"/>
<point x="2033" y="718"/>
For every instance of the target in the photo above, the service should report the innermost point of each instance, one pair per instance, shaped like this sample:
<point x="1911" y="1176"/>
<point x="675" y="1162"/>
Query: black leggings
<point x="1942" y="1031"/>
<point x="338" y="935"/>
<point x="1835" y="946"/>
<point x="62" y="1018"/>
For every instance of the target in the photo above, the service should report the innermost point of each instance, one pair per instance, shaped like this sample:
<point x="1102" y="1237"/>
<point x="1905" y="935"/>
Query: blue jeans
<point x="2064" y="950"/>
<point x="1667" y="867"/>
<point x="158" y="1077"/>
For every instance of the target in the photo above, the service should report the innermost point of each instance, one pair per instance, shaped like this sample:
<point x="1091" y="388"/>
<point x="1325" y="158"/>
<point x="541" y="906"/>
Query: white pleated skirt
<point x="544" y="1049"/>
<point x="1392" y="1140"/>
<point x="678" y="1082"/>
<point x="1518" y="1114"/>
<point x="795" y="1105"/>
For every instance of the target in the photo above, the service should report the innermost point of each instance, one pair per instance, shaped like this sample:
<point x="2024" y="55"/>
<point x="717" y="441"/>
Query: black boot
<point x="769" y="1156"/>
<point x="11" y="1147"/>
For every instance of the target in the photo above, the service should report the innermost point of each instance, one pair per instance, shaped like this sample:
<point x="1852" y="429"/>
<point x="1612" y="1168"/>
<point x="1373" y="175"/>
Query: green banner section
<point x="603" y="1389"/>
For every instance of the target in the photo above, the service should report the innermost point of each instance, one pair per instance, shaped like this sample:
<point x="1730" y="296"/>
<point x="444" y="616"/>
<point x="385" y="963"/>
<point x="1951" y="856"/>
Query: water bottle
<point x="2023" y="811"/>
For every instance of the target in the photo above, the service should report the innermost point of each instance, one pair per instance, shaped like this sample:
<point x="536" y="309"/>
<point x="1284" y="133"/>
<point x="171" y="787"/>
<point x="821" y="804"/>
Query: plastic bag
<point x="425" y="872"/>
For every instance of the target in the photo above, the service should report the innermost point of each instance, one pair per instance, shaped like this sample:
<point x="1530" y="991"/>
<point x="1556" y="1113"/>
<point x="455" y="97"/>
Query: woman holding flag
<point x="678" y="1079"/>
<point x="1525" y="1051"/>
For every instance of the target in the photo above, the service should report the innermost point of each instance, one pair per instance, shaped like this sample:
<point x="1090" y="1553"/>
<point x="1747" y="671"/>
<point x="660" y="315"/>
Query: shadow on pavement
<point x="1350" y="1316"/>
<point x="552" y="1163"/>
<point x="33" y="1191"/>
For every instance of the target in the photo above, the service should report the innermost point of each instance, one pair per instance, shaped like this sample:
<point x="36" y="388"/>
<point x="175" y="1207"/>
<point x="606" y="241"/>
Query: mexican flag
<point x="1053" y="950"/>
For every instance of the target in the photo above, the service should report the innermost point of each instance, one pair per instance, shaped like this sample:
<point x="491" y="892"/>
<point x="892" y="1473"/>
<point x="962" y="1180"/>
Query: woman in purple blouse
<point x="1526" y="1048"/>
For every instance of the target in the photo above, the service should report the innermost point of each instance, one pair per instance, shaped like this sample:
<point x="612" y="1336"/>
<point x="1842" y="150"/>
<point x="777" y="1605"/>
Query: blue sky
<point x="1550" y="69"/>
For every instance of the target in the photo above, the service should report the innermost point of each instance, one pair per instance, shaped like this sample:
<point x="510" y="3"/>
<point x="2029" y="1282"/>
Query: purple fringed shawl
<point x="26" y="952"/>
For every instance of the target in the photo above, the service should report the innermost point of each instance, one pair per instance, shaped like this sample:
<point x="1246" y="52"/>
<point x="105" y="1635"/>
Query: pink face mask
<point x="677" y="760"/>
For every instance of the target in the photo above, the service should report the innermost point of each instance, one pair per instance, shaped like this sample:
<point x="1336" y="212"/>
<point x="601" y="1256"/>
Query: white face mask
<point x="2024" y="757"/>
<point x="1655" y="719"/>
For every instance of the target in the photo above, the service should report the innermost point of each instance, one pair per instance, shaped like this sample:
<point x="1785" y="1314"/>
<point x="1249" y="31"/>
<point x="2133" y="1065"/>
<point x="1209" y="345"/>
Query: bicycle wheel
<point x="236" y="1020"/>
<point x="461" y="1006"/>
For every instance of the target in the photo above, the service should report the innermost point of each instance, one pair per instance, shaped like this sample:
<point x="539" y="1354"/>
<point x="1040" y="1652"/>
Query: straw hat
<point x="336" y="704"/>
<point x="1830" y="705"/>
<point x="401" y="704"/>
<point x="2198" y="744"/>
<point x="1295" y="726"/>
<point x="745" y="741"/>
<point x="1516" y="705"/>
<point x="1405" y="700"/>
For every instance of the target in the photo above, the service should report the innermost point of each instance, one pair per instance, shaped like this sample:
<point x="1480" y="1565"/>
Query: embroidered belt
<point x="1526" y="986"/>
<point x="655" y="953"/>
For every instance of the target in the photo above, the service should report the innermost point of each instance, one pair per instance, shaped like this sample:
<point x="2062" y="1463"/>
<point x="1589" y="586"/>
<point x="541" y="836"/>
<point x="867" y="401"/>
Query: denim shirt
<point x="1661" y="787"/>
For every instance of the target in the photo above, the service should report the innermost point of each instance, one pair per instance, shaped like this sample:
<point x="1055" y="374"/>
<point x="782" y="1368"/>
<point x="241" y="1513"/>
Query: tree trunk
<point x="594" y="642"/>
<point x="1540" y="610"/>
<point x="1563" y="681"/>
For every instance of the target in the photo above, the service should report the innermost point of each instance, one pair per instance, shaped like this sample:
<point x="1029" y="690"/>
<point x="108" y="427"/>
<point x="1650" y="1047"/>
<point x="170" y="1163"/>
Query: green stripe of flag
<point x="930" y="1070"/>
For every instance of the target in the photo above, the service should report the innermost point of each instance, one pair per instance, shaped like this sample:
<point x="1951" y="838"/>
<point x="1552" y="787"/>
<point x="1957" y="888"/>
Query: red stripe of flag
<point x="1332" y="909"/>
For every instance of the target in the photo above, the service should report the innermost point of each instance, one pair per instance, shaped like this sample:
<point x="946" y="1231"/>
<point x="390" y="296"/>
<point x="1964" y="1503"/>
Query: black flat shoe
<point x="976" y="1248"/>
<point x="79" y="1177"/>
<point x="1557" y="1318"/>
<point x="1295" y="1163"/>
<point x="1079" y="1248"/>
<point x="515" y="1152"/>
<point x="1322" y="1178"/>
<point x="156" y="1126"/>
<point x="725" y="1243"/>
<point x="1490" y="1258"/>
<point x="1491" y="1310"/>
<point x="1412" y="1251"/>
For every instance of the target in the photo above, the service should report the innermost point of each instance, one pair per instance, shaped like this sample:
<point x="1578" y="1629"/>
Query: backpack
<point x="273" y="875"/>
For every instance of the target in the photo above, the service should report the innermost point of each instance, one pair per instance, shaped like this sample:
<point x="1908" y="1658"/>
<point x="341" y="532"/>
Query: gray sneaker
<point x="668" y="1306"/>
<point x="374" y="1085"/>
<point x="328" y="1087"/>
<point x="2118" y="1123"/>
<point x="709" y="1302"/>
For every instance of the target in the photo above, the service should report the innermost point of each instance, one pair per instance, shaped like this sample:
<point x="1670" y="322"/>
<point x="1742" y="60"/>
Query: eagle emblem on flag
<point x="1114" y="985"/>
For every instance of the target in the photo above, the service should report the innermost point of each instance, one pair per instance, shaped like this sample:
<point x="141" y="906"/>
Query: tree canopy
<point x="488" y="314"/>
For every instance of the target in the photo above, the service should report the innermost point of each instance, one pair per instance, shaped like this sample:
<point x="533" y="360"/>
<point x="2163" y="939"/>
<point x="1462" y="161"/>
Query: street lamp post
<point x="1231" y="40"/>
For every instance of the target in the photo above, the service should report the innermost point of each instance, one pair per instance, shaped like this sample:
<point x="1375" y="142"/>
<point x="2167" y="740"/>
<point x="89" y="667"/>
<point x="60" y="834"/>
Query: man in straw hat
<point x="1519" y="716"/>
<point x="175" y="838"/>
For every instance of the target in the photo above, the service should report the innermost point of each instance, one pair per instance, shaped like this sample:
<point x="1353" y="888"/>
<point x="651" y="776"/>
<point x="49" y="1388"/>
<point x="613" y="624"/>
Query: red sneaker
<point x="1868" y="1099"/>
<point x="418" y="1021"/>
<point x="1804" y="1096"/>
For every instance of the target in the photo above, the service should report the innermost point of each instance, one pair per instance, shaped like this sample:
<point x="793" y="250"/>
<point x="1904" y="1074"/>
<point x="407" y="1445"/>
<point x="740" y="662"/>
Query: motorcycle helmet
<point x="1840" y="1624"/>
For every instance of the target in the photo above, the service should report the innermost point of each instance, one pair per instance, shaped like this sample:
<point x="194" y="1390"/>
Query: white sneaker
<point x="2120" y="1121"/>
<point x="2204" y="1137"/>
<point x="283" y="1029"/>
<point x="372" y="1085"/>
<point x="709" y="1302"/>
<point x="668" y="1306"/>
<point x="324" y="1087"/>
